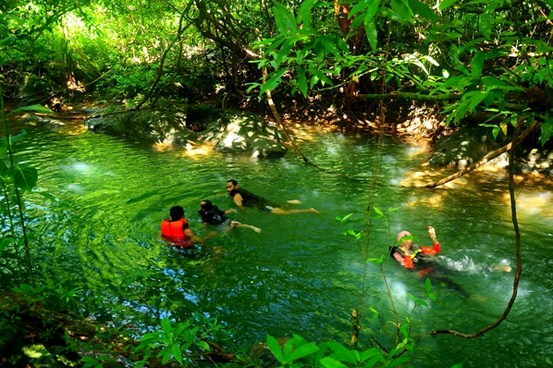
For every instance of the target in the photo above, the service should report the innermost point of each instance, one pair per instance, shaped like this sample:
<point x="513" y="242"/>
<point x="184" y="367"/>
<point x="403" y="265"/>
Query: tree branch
<point x="490" y="156"/>
<point x="518" y="252"/>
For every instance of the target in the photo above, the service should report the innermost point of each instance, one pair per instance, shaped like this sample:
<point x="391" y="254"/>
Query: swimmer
<point x="421" y="260"/>
<point x="211" y="214"/>
<point x="176" y="230"/>
<point x="243" y="198"/>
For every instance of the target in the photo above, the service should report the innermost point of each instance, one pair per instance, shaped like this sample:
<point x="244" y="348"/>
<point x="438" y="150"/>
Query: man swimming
<point x="243" y="198"/>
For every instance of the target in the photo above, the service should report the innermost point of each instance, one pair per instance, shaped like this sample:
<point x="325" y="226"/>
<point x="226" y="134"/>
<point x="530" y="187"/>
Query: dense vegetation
<point x="482" y="61"/>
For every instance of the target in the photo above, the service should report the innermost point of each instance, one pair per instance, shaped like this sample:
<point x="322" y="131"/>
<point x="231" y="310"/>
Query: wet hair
<point x="206" y="204"/>
<point x="176" y="213"/>
<point x="234" y="182"/>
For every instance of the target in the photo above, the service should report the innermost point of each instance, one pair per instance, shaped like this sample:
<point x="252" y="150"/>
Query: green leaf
<point x="35" y="108"/>
<point x="284" y="19"/>
<point x="273" y="82"/>
<point x="477" y="64"/>
<point x="446" y="4"/>
<point x="177" y="353"/>
<point x="275" y="349"/>
<point x="329" y="45"/>
<point x="329" y="362"/>
<point x="302" y="81"/>
<point x="25" y="177"/>
<point x="546" y="129"/>
<point x="486" y="23"/>
<point x="343" y="354"/>
<point x="476" y="97"/>
<point x="429" y="289"/>
<point x="372" y="9"/>
<point x="284" y="51"/>
<point x="304" y="350"/>
<point x="304" y="14"/>
<point x="372" y="34"/>
<point x="401" y="7"/>
<point x="423" y="10"/>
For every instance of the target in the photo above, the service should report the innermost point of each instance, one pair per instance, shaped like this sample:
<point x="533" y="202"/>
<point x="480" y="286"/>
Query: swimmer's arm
<point x="406" y="261"/>
<point x="238" y="200"/>
<point x="436" y="248"/>
<point x="230" y="210"/>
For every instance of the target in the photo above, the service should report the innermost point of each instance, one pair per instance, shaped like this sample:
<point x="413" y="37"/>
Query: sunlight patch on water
<point x="533" y="203"/>
<point x="77" y="188"/>
<point x="81" y="168"/>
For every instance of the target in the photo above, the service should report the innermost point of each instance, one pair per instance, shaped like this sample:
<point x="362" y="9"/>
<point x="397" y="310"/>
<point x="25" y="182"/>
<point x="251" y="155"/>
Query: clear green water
<point x="301" y="274"/>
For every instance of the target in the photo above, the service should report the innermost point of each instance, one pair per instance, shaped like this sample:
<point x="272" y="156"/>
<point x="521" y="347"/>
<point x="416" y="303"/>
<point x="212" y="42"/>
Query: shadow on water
<point x="301" y="274"/>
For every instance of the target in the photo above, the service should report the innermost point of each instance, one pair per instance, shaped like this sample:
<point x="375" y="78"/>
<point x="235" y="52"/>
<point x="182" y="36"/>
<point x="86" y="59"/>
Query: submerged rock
<point x="237" y="132"/>
<point x="465" y="147"/>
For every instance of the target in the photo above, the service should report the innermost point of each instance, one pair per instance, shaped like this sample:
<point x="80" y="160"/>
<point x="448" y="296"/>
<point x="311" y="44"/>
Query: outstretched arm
<point x="435" y="248"/>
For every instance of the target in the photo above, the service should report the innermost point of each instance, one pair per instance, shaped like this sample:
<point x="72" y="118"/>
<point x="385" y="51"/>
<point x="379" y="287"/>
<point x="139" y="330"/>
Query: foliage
<point x="498" y="64"/>
<point x="297" y="352"/>
<point x="14" y="179"/>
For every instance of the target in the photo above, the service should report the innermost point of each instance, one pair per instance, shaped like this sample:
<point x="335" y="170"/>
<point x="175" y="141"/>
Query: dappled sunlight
<point x="435" y="201"/>
<point x="532" y="202"/>
<point x="199" y="150"/>
<point x="191" y="150"/>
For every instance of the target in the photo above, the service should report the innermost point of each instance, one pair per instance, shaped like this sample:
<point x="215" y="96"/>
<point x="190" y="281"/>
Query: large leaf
<point x="273" y="82"/>
<point x="477" y="64"/>
<point x="423" y="10"/>
<point x="284" y="19"/>
<point x="25" y="177"/>
<point x="546" y="129"/>
<point x="401" y="7"/>
<point x="302" y="81"/>
<point x="35" y="108"/>
<point x="372" y="34"/>
<point x="304" y="14"/>
<point x="274" y="347"/>
<point x="446" y="4"/>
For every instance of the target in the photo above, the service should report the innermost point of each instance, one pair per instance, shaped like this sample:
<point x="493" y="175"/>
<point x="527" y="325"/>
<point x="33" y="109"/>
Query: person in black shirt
<point x="243" y="198"/>
<point x="211" y="214"/>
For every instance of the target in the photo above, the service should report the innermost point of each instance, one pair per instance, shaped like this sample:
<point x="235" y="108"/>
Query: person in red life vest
<point x="176" y="229"/>
<point x="407" y="254"/>
<point x="420" y="259"/>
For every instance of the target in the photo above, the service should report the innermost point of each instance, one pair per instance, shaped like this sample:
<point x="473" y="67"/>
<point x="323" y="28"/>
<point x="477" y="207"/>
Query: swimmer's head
<point x="176" y="213"/>
<point x="403" y="234"/>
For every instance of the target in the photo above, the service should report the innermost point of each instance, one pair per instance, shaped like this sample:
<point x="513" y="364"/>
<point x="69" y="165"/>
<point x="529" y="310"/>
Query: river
<point x="94" y="222"/>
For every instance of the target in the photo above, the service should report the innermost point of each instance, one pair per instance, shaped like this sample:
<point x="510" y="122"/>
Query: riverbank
<point x="448" y="148"/>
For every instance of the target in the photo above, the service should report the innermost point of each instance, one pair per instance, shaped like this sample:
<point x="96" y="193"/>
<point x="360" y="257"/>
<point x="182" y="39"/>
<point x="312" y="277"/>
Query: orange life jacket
<point x="173" y="231"/>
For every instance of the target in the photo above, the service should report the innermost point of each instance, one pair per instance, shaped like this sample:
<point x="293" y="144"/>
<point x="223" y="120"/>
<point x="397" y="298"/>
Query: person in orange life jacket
<point x="408" y="255"/>
<point x="419" y="258"/>
<point x="176" y="229"/>
<point x="243" y="198"/>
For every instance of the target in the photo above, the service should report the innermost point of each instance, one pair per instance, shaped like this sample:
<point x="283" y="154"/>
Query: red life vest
<point x="173" y="231"/>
